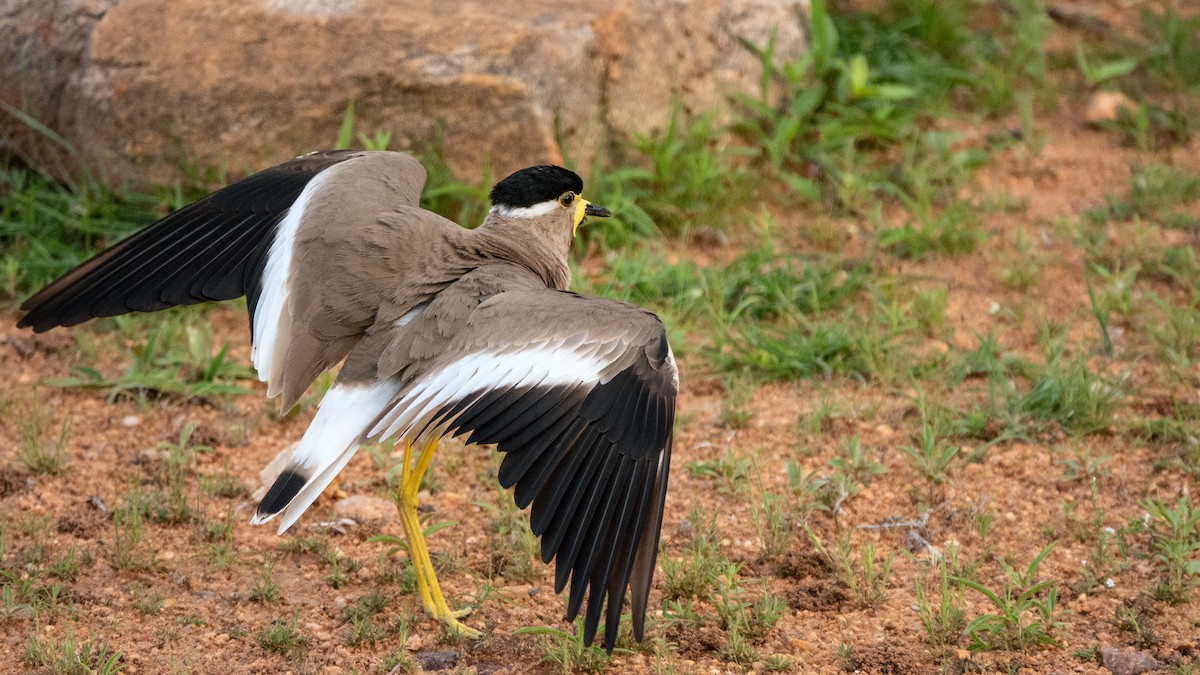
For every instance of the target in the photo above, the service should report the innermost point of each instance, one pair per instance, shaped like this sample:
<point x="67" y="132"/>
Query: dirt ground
<point x="201" y="617"/>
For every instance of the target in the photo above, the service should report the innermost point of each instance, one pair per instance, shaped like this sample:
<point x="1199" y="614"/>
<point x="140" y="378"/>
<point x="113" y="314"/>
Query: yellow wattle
<point x="581" y="205"/>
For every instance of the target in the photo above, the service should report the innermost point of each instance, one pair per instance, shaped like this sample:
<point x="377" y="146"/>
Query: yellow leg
<point x="427" y="583"/>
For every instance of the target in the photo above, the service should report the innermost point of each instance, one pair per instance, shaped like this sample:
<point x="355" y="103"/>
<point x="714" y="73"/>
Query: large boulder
<point x="143" y="87"/>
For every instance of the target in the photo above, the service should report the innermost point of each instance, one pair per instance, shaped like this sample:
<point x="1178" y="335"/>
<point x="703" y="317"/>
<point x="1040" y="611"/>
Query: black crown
<point x="535" y="185"/>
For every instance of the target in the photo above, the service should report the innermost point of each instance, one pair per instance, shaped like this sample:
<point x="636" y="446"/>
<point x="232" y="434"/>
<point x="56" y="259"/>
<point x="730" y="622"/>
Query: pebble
<point x="131" y="421"/>
<point x="453" y="498"/>
<point x="514" y="592"/>
<point x="364" y="509"/>
<point x="1106" y="106"/>
<point x="440" y="660"/>
<point x="1121" y="662"/>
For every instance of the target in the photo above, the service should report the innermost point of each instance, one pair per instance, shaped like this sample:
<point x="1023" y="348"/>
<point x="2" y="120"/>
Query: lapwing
<point x="444" y="332"/>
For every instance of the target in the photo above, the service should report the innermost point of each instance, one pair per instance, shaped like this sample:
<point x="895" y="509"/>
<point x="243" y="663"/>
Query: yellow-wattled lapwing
<point x="445" y="331"/>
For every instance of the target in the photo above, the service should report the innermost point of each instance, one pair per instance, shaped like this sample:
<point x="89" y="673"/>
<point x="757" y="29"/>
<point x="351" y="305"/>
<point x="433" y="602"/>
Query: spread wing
<point x="212" y="249"/>
<point x="579" y="393"/>
<point x="242" y="240"/>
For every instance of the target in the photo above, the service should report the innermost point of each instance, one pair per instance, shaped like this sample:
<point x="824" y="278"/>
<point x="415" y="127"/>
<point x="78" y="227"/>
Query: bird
<point x="442" y="331"/>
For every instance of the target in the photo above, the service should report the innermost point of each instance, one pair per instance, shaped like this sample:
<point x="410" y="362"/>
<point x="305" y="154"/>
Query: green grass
<point x="47" y="227"/>
<point x="773" y="520"/>
<point x="931" y="457"/>
<point x="177" y="360"/>
<point x="694" y="573"/>
<point x="1175" y="539"/>
<point x="281" y="637"/>
<point x="1025" y="612"/>
<point x="265" y="590"/>
<point x="865" y="575"/>
<point x="872" y="340"/>
<point x="38" y="455"/>
<point x="676" y="180"/>
<point x="951" y="230"/>
<point x="728" y="471"/>
<point x="70" y="656"/>
<point x="940" y="607"/>
<point x="1156" y="193"/>
<point x="129" y="551"/>
<point x="1066" y="392"/>
<point x="565" y="649"/>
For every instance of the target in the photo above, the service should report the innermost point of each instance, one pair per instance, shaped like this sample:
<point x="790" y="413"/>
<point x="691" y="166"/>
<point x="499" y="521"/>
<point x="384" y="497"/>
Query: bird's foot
<point x="450" y="620"/>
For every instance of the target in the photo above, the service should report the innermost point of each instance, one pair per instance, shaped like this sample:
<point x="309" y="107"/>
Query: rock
<point x="245" y="84"/>
<point x="1122" y="662"/>
<point x="443" y="660"/>
<point x="1106" y="106"/>
<point x="364" y="509"/>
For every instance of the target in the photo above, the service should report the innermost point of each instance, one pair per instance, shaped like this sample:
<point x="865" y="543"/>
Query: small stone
<point x="1122" y="662"/>
<point x="935" y="347"/>
<point x="364" y="509"/>
<point x="514" y="592"/>
<point x="441" y="660"/>
<point x="131" y="421"/>
<point x="1106" y="106"/>
<point x="709" y="237"/>
<point x="453" y="498"/>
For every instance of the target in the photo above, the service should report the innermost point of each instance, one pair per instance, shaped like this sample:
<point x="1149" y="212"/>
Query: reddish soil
<point x="207" y="622"/>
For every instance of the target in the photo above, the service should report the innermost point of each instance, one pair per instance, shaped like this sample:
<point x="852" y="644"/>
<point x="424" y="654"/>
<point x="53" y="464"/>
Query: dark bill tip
<point x="597" y="211"/>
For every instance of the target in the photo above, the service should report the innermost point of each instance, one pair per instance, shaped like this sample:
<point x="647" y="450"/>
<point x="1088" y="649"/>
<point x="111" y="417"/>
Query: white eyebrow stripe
<point x="539" y="209"/>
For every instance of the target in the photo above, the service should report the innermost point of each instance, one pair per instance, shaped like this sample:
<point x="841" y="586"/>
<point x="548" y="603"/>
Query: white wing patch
<point x="340" y="424"/>
<point x="546" y="364"/>
<point x="272" y="315"/>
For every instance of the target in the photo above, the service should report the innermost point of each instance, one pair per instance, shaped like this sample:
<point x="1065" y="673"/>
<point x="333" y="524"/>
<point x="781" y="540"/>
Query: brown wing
<point x="212" y="249"/>
<point x="316" y="244"/>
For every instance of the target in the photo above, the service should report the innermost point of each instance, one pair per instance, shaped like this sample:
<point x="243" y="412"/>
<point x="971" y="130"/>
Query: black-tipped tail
<point x="282" y="492"/>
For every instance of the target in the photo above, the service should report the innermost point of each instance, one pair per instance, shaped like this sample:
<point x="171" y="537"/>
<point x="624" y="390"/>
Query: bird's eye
<point x="567" y="199"/>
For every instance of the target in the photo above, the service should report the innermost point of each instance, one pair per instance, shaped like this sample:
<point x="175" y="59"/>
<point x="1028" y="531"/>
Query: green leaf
<point x="803" y="187"/>
<point x="860" y="75"/>
<point x="440" y="525"/>
<point x="346" y="131"/>
<point x="1102" y="72"/>
<point x="824" y="36"/>
<point x="893" y="92"/>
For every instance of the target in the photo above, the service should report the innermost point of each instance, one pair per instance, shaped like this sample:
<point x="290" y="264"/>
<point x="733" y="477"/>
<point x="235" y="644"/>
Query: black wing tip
<point x="40" y="322"/>
<point x="282" y="492"/>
